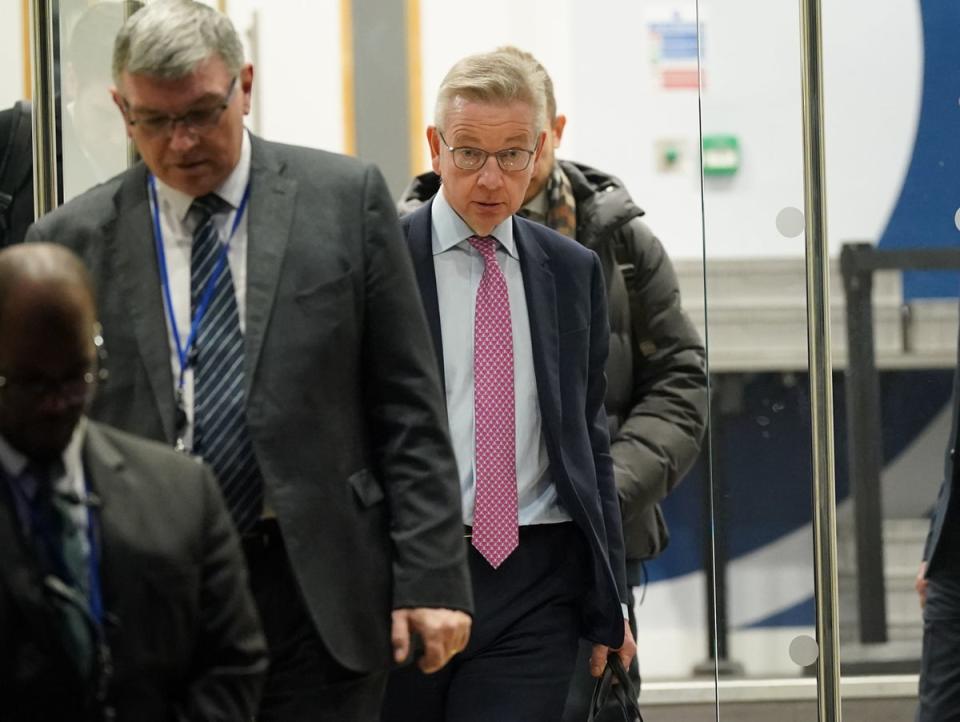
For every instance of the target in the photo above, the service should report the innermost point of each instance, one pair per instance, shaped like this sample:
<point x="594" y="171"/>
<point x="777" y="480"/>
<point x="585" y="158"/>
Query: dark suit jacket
<point x="343" y="397"/>
<point x="180" y="620"/>
<point x="941" y="553"/>
<point x="566" y="303"/>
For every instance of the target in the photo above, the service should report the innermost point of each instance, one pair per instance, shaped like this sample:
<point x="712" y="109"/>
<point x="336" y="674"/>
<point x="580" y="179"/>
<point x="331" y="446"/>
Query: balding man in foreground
<point x="123" y="590"/>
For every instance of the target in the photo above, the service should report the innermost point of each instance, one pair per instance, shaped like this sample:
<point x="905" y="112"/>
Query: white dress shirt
<point x="177" y="226"/>
<point x="459" y="267"/>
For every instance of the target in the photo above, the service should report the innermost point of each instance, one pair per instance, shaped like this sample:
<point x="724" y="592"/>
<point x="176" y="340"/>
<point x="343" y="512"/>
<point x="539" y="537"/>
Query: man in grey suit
<point x="262" y="313"/>
<point x="123" y="592"/>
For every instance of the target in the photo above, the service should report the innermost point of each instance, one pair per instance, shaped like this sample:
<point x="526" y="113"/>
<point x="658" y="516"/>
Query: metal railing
<point x="858" y="262"/>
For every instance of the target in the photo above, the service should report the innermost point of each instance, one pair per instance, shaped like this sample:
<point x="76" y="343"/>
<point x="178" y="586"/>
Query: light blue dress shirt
<point x="459" y="267"/>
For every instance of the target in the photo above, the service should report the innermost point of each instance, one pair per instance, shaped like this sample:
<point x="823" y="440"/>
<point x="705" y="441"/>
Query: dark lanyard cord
<point x="37" y="527"/>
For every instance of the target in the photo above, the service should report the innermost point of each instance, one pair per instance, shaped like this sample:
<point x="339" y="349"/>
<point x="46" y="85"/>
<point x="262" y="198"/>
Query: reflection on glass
<point x="93" y="138"/>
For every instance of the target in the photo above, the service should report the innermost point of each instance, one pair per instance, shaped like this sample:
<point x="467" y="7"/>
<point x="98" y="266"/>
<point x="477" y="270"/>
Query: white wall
<point x="298" y="87"/>
<point x="599" y="54"/>
<point x="11" y="52"/>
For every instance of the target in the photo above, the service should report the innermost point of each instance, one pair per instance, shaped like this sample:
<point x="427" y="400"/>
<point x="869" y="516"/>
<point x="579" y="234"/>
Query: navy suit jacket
<point x="566" y="303"/>
<point x="945" y="525"/>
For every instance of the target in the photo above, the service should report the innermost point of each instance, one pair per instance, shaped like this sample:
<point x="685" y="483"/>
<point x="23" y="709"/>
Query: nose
<point x="182" y="137"/>
<point x="490" y="175"/>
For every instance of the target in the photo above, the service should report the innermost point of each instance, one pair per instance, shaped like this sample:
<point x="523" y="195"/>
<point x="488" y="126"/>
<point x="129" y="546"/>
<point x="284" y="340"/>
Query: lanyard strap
<point x="183" y="350"/>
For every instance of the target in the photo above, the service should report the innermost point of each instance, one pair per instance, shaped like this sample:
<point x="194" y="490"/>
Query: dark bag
<point x="614" y="702"/>
<point x="16" y="174"/>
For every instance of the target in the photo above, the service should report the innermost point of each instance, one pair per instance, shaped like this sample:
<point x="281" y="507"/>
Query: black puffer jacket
<point x="656" y="380"/>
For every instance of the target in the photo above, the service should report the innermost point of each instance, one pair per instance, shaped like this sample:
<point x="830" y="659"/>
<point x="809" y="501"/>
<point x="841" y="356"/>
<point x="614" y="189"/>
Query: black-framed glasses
<point x="197" y="120"/>
<point x="74" y="389"/>
<point x="510" y="160"/>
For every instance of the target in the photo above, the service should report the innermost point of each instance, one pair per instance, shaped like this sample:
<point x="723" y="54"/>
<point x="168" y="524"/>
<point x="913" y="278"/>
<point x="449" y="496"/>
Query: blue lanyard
<point x="183" y="350"/>
<point x="95" y="595"/>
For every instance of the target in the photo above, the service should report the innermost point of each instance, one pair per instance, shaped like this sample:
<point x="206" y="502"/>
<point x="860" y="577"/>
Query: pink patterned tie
<point x="495" y="533"/>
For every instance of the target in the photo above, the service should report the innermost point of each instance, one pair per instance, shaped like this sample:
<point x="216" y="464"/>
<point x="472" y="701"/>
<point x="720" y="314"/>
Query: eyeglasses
<point x="197" y="120"/>
<point x="71" y="390"/>
<point x="510" y="160"/>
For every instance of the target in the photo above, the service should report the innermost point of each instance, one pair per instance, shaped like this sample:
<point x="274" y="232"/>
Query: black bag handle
<point x="623" y="693"/>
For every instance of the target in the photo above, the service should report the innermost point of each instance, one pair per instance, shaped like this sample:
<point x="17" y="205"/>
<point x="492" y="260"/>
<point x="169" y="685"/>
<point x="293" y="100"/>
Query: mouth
<point x="488" y="205"/>
<point x="189" y="166"/>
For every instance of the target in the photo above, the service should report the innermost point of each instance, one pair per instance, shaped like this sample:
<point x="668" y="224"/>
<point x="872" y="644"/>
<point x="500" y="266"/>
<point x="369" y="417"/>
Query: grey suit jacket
<point x="343" y="398"/>
<point x="180" y="621"/>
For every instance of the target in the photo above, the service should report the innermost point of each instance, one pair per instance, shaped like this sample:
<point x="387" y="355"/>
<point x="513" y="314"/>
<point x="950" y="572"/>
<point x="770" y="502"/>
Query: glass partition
<point x="93" y="140"/>
<point x="696" y="106"/>
<point x="760" y="471"/>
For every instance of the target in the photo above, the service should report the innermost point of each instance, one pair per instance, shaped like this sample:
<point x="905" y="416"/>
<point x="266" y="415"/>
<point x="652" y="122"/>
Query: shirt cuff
<point x="626" y="610"/>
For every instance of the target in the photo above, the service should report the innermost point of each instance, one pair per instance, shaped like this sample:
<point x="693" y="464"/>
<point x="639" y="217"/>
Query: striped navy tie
<point x="220" y="433"/>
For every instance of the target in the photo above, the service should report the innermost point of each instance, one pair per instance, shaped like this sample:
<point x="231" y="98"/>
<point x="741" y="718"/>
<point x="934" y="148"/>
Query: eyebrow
<point x="514" y="141"/>
<point x="205" y="99"/>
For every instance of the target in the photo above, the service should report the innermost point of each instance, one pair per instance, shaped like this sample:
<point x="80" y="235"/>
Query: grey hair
<point x="500" y="77"/>
<point x="536" y="67"/>
<point x="169" y="38"/>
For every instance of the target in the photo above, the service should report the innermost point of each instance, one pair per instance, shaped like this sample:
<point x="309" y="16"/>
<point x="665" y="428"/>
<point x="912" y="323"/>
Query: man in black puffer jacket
<point x="656" y="380"/>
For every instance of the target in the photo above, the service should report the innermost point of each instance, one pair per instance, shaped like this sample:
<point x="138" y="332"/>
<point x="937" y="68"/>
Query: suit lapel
<point x="269" y="224"/>
<point x="541" y="294"/>
<point x="104" y="468"/>
<point x="420" y="239"/>
<point x="139" y="275"/>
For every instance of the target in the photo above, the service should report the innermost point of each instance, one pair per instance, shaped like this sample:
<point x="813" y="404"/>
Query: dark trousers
<point x="304" y="683"/>
<point x="582" y="682"/>
<point x="940" y="664"/>
<point x="523" y="644"/>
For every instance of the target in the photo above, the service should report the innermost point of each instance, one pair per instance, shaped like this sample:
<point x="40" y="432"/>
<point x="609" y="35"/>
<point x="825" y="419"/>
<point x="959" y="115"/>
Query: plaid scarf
<point x="561" y="207"/>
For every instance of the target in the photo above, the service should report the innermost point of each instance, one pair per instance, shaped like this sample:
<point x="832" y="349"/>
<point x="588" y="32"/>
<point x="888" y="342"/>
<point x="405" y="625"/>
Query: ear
<point x="246" y="85"/>
<point x="541" y="139"/>
<point x="118" y="101"/>
<point x="433" y="139"/>
<point x="559" y="123"/>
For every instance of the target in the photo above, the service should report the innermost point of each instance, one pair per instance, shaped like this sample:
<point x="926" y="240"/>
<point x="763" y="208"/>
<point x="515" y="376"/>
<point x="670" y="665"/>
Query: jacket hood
<point x="421" y="189"/>
<point x="603" y="203"/>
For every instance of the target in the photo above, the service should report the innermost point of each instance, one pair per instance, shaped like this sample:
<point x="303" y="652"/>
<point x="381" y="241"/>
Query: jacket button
<point x="953" y="454"/>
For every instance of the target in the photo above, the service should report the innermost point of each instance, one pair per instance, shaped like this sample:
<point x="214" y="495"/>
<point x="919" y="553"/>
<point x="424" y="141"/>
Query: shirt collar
<point x="450" y="230"/>
<point x="13" y="462"/>
<point x="538" y="204"/>
<point x="231" y="190"/>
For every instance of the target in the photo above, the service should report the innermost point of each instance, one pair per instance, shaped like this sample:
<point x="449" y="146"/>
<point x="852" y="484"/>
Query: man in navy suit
<point x="938" y="585"/>
<point x="519" y="320"/>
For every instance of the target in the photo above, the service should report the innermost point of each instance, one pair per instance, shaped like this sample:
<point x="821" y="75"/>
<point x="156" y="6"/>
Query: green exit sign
<point x="721" y="155"/>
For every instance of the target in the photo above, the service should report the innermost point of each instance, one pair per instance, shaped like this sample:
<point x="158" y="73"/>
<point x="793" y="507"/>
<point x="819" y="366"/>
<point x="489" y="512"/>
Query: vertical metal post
<point x="864" y="443"/>
<point x="45" y="197"/>
<point x="821" y="377"/>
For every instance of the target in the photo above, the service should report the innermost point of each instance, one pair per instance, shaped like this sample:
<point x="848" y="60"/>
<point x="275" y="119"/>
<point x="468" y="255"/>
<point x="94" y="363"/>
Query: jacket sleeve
<point x="231" y="655"/>
<point x="596" y="419"/>
<point x="407" y="420"/>
<point x="659" y="440"/>
<point x="928" y="542"/>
